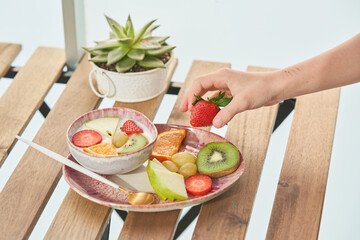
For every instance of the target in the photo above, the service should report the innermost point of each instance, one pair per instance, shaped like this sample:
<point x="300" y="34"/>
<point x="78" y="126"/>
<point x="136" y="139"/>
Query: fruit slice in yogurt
<point x="136" y="142"/>
<point x="104" y="125"/>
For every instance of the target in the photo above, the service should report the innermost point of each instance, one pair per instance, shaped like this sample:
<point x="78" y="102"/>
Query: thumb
<point x="227" y="113"/>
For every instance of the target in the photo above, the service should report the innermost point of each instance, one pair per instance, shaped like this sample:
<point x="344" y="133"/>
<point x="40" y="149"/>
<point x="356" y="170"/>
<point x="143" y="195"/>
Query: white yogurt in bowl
<point x="121" y="163"/>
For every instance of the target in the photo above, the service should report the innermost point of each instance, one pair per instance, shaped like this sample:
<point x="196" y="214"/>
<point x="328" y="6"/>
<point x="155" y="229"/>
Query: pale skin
<point x="336" y="67"/>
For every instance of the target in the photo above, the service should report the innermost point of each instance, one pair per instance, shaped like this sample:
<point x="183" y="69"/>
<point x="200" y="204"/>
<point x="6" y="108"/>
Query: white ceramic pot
<point x="129" y="87"/>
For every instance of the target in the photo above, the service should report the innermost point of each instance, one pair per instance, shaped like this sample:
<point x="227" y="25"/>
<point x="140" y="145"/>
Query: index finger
<point x="202" y="84"/>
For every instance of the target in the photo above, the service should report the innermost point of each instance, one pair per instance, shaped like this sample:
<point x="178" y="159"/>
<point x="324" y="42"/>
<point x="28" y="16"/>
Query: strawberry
<point x="198" y="184"/>
<point x="86" y="138"/>
<point x="130" y="127"/>
<point x="203" y="112"/>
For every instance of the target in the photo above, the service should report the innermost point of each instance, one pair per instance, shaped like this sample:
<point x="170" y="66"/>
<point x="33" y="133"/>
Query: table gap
<point x="265" y="195"/>
<point x="19" y="149"/>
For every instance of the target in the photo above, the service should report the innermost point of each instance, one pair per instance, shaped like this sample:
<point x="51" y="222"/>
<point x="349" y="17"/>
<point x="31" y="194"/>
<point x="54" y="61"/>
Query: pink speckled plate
<point x="137" y="180"/>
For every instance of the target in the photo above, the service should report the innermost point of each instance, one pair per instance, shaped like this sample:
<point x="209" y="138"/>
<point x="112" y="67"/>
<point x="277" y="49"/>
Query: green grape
<point x="170" y="166"/>
<point x="119" y="139"/>
<point x="188" y="169"/>
<point x="181" y="158"/>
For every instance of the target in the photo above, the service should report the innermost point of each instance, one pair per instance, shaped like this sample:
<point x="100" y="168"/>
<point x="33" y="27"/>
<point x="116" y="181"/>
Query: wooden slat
<point x="28" y="189"/>
<point x="8" y="52"/>
<point x="300" y="192"/>
<point x="162" y="225"/>
<point x="79" y="218"/>
<point x="228" y="215"/>
<point x="26" y="93"/>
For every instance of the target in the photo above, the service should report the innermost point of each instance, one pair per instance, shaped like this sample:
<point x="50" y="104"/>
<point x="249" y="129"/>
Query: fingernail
<point x="217" y="123"/>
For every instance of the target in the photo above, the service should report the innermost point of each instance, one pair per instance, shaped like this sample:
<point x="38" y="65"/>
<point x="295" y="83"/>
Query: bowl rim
<point x="110" y="157"/>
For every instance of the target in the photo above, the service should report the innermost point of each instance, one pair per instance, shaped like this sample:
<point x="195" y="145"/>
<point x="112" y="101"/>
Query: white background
<point x="274" y="33"/>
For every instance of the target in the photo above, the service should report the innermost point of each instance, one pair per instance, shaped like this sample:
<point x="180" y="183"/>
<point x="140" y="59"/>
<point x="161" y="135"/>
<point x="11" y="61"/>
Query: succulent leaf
<point x="147" y="44"/>
<point x="160" y="40"/>
<point x="119" y="31"/>
<point x="111" y="43"/>
<point x="129" y="28"/>
<point x="139" y="34"/>
<point x="148" y="32"/>
<point x="151" y="62"/>
<point x="125" y="47"/>
<point x="117" y="54"/>
<point x="99" y="58"/>
<point x="99" y="52"/>
<point x="136" y="54"/>
<point x="113" y="23"/>
<point x="95" y="52"/>
<point x="125" y="64"/>
<point x="126" y="42"/>
<point x="112" y="35"/>
<point x="162" y="50"/>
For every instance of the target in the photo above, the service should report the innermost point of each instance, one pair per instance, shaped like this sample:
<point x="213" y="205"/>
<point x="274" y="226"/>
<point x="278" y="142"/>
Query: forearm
<point x="337" y="67"/>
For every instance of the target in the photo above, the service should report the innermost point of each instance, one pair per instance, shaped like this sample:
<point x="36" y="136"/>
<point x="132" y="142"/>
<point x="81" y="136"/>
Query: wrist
<point x="289" y="83"/>
<point x="276" y="83"/>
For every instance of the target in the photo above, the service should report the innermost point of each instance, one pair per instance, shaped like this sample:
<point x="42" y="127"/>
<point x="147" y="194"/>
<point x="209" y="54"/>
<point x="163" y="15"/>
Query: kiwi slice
<point x="218" y="159"/>
<point x="136" y="142"/>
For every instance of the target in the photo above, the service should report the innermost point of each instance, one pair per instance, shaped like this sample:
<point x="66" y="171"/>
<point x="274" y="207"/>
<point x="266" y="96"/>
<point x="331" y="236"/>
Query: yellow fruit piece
<point x="102" y="149"/>
<point x="170" y="166"/>
<point x="167" y="144"/>
<point x="188" y="169"/>
<point x="181" y="158"/>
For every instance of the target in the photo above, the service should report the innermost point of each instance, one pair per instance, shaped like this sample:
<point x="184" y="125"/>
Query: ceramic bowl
<point x="122" y="163"/>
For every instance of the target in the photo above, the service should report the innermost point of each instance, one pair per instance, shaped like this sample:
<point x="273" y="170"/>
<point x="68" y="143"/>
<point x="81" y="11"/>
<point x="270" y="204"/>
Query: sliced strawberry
<point x="198" y="184"/>
<point x="86" y="138"/>
<point x="130" y="127"/>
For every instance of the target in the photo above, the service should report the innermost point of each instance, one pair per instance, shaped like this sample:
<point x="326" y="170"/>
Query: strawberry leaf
<point x="220" y="100"/>
<point x="223" y="101"/>
<point x="220" y="96"/>
<point x="197" y="98"/>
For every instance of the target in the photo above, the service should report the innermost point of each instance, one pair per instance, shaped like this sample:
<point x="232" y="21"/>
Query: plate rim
<point x="168" y="206"/>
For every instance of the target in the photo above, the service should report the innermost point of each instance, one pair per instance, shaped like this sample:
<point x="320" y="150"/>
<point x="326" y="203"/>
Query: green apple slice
<point x="166" y="184"/>
<point x="157" y="162"/>
<point x="158" y="165"/>
<point x="104" y="125"/>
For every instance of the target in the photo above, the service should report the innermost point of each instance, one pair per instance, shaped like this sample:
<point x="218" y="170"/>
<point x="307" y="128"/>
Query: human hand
<point x="249" y="91"/>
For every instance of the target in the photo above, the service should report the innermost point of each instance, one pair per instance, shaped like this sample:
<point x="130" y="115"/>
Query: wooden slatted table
<point x="300" y="193"/>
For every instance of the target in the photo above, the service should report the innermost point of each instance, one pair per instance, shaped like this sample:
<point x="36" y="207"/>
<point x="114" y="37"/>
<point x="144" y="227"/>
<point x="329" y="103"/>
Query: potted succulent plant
<point x="130" y="66"/>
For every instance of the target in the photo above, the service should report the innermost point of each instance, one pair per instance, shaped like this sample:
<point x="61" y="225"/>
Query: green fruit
<point x="157" y="161"/>
<point x="119" y="138"/>
<point x="218" y="159"/>
<point x="104" y="125"/>
<point x="188" y="169"/>
<point x="136" y="142"/>
<point x="166" y="184"/>
<point x="170" y="166"/>
<point x="181" y="158"/>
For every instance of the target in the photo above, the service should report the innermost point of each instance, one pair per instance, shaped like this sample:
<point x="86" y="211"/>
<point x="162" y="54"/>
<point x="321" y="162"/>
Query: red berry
<point x="130" y="127"/>
<point x="203" y="113"/>
<point x="86" y="138"/>
<point x="198" y="184"/>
